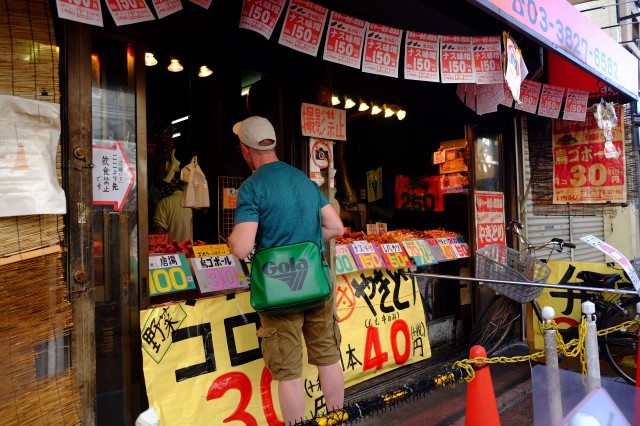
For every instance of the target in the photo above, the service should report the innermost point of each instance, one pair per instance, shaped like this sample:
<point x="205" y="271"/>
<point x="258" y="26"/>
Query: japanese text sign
<point x="582" y="173"/>
<point x="345" y="40"/>
<point x="344" y="260"/>
<point x="129" y="12"/>
<point x="456" y="59"/>
<point x="575" y="105"/>
<point x="166" y="7"/>
<point x="203" y="365"/>
<point x="487" y="59"/>
<point x="366" y="255"/>
<point x="211" y="250"/>
<point x="420" y="252"/>
<point x="261" y="16"/>
<point x="303" y="26"/>
<point x="394" y="256"/>
<point x="563" y="28"/>
<point x="323" y="122"/>
<point x="113" y="176"/>
<point x="219" y="273"/>
<point x="488" y="97"/>
<point x="169" y="273"/>
<point x="529" y="96"/>
<point x="550" y="101"/>
<point x="490" y="228"/>
<point x="382" y="50"/>
<point x="421" y="57"/>
<point x="87" y="12"/>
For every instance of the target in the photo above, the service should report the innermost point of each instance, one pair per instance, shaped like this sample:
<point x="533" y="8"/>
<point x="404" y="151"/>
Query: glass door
<point x="115" y="231"/>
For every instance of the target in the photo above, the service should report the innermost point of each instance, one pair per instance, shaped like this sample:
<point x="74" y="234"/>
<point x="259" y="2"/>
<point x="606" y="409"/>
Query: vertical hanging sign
<point x="421" y="57"/>
<point x="490" y="227"/>
<point x="261" y="16"/>
<point x="529" y="96"/>
<point x="112" y="176"/>
<point x="382" y="50"/>
<point x="550" y="101"/>
<point x="456" y="60"/>
<point x="344" y="41"/>
<point x="303" y="26"/>
<point x="166" y="7"/>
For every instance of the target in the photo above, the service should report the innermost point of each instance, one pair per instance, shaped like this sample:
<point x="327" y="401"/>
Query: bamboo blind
<point x="39" y="386"/>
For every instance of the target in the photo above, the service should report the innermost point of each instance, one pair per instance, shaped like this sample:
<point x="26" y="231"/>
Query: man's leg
<point x="332" y="382"/>
<point x="291" y="397"/>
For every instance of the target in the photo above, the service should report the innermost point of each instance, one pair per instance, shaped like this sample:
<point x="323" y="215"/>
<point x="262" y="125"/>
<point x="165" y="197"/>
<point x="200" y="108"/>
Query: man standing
<point x="171" y="217"/>
<point x="278" y="205"/>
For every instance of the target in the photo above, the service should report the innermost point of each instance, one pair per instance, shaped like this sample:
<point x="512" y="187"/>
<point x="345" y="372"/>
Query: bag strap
<point x="323" y="249"/>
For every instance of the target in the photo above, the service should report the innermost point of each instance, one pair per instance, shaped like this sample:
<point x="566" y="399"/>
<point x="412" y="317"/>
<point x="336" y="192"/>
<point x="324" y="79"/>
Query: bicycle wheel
<point x="621" y="347"/>
<point x="495" y="323"/>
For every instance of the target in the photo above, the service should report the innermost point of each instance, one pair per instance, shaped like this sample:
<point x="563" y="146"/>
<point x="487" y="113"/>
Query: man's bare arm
<point x="243" y="238"/>
<point x="331" y="224"/>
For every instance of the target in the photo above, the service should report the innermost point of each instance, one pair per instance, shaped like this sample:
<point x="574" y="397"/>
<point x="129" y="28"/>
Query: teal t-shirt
<point x="284" y="202"/>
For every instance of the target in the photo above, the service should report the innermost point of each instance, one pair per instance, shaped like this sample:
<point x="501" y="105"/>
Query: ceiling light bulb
<point x="363" y="106"/>
<point x="401" y="114"/>
<point x="335" y="100"/>
<point x="150" y="60"/>
<point x="348" y="103"/>
<point x="175" y="66"/>
<point x="388" y="112"/>
<point x="205" y="71"/>
<point x="375" y="110"/>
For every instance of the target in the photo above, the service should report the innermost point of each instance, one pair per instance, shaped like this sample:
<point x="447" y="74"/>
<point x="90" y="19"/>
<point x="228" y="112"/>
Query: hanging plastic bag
<point x="196" y="193"/>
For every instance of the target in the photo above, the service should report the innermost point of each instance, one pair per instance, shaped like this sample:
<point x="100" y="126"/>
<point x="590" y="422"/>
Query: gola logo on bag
<point x="293" y="273"/>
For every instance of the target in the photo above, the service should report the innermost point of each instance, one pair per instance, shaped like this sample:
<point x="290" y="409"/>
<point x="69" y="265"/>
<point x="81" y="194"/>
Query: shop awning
<point x="589" y="54"/>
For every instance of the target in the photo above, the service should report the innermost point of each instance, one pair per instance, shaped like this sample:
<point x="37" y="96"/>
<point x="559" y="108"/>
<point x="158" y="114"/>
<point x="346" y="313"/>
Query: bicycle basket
<point x="506" y="264"/>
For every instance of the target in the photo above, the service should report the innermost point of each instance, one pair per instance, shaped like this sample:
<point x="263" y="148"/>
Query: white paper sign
<point x="166" y="7"/>
<point x="487" y="58"/>
<point x="87" y="12"/>
<point x="303" y="26"/>
<point x="550" y="101"/>
<point x="575" y="105"/>
<point x="615" y="255"/>
<point x="261" y="16"/>
<point x="344" y="41"/>
<point x="421" y="57"/>
<point x="382" y="50"/>
<point x="456" y="60"/>
<point x="29" y="135"/>
<point x="129" y="12"/>
<point x="112" y="175"/>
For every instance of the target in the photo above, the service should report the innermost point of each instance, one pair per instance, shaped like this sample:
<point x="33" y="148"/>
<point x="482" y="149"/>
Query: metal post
<point x="553" y="375"/>
<point x="591" y="347"/>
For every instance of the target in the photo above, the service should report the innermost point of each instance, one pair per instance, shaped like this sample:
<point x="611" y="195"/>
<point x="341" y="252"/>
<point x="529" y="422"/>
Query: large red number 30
<point x="241" y="382"/>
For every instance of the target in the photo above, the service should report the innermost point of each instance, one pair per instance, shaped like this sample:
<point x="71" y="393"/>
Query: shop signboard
<point x="563" y="28"/>
<point x="489" y="211"/>
<point x="169" y="273"/>
<point x="582" y="172"/>
<point x="202" y="363"/>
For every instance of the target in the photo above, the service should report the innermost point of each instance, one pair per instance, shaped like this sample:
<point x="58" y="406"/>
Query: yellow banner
<point x="202" y="364"/>
<point x="566" y="303"/>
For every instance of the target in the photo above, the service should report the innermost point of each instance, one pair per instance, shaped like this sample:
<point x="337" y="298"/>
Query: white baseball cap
<point x="253" y="130"/>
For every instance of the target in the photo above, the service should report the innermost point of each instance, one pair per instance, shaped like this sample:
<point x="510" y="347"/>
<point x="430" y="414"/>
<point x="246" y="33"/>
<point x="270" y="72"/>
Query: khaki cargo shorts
<point x="282" y="344"/>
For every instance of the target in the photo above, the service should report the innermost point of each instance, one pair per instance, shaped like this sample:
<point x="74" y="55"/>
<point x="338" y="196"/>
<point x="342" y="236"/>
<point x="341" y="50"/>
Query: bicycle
<point x="498" y="319"/>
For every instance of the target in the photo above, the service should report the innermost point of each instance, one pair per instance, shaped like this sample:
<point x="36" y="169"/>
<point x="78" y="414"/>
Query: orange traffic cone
<point x="482" y="409"/>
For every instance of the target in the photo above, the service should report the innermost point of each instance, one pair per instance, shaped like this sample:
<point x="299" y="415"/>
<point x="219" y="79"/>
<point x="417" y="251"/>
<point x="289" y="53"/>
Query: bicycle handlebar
<point x="556" y="244"/>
